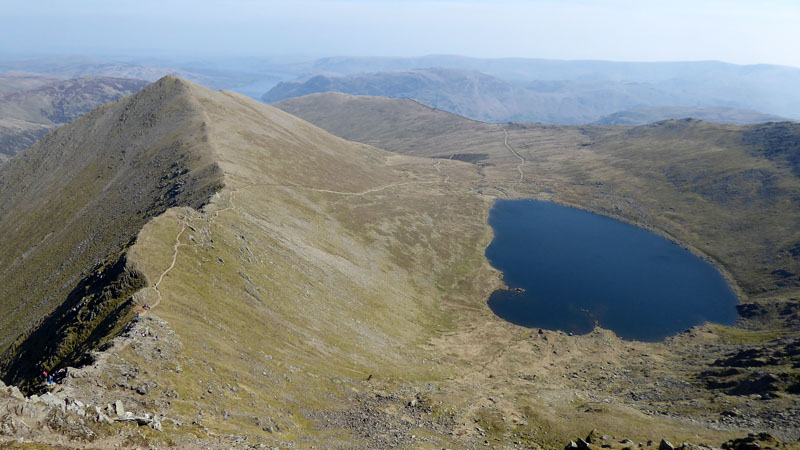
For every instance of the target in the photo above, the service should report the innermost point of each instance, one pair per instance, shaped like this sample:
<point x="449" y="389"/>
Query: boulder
<point x="119" y="409"/>
<point x="665" y="445"/>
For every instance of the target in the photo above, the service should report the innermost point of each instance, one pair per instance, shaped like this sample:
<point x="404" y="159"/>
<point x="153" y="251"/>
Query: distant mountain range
<point x="215" y="76"/>
<point x="467" y="93"/>
<point x="494" y="90"/>
<point x="27" y="115"/>
<point x="560" y="92"/>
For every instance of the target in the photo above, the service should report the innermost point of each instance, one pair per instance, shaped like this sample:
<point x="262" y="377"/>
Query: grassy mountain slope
<point x="704" y="184"/>
<point x="644" y="116"/>
<point x="322" y="257"/>
<point x="27" y="115"/>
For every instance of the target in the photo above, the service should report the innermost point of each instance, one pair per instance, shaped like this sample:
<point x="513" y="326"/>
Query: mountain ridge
<point x="131" y="185"/>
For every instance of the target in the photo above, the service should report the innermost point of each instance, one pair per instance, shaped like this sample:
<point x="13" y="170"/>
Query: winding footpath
<point x="521" y="159"/>
<point x="164" y="273"/>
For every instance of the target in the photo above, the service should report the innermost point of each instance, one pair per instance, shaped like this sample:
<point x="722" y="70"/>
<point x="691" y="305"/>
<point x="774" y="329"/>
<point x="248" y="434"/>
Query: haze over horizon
<point x="740" y="31"/>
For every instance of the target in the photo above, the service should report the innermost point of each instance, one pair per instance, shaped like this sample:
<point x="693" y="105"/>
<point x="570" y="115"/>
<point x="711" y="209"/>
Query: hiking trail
<point x="521" y="159"/>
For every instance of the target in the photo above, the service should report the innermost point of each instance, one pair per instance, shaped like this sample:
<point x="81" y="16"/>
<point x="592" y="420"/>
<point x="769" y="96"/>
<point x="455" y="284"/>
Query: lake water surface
<point x="575" y="268"/>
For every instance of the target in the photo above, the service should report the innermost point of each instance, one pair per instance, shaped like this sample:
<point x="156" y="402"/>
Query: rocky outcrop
<point x="54" y="417"/>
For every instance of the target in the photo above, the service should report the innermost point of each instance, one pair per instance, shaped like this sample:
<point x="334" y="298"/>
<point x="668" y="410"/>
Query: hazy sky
<point x="738" y="31"/>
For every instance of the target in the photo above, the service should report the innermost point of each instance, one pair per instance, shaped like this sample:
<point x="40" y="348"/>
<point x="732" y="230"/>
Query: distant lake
<point x="575" y="268"/>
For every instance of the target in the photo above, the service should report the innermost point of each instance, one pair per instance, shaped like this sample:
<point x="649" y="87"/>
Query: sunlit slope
<point x="72" y="204"/>
<point x="321" y="260"/>
<point x="732" y="192"/>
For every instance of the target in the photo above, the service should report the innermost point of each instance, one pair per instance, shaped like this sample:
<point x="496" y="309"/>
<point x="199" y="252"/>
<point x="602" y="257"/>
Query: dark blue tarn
<point x="567" y="269"/>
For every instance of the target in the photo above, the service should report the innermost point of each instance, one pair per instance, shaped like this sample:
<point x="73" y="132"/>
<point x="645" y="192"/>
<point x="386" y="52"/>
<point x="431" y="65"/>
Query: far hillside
<point x="560" y="92"/>
<point x="27" y="115"/>
<point x="23" y="81"/>
<point x="719" y="114"/>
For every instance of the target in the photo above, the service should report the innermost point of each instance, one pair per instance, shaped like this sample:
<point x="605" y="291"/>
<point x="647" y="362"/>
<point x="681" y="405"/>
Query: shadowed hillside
<point x="27" y="115"/>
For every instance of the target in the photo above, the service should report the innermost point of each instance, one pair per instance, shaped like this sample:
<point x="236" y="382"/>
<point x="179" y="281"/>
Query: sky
<point x="736" y="31"/>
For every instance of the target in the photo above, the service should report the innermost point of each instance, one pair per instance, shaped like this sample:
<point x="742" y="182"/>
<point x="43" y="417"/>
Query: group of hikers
<point x="49" y="379"/>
